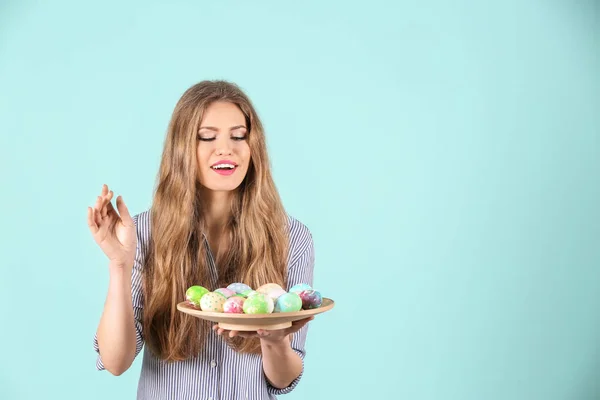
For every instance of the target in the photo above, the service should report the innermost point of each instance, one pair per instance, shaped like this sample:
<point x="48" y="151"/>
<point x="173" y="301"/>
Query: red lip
<point x="225" y="162"/>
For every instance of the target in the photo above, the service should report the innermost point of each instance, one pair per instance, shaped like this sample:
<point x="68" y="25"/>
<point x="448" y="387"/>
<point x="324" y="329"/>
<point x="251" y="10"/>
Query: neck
<point x="217" y="210"/>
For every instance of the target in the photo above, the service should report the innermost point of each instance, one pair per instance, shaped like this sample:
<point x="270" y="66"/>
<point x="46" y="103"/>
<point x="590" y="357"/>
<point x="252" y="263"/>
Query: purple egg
<point x="310" y="299"/>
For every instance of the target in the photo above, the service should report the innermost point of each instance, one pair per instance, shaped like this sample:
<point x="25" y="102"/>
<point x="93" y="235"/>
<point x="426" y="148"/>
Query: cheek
<point x="245" y="152"/>
<point x="202" y="155"/>
<point x="202" y="159"/>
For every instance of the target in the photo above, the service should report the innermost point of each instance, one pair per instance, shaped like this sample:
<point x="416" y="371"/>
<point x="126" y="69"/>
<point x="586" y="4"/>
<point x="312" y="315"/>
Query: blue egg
<point x="288" y="302"/>
<point x="239" y="287"/>
<point x="299" y="287"/>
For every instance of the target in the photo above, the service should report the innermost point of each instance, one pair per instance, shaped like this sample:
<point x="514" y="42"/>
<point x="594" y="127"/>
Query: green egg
<point x="258" y="304"/>
<point x="249" y="292"/>
<point x="194" y="294"/>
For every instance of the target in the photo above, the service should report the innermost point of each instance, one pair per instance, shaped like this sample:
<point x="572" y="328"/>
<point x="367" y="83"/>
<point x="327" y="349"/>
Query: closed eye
<point x="210" y="139"/>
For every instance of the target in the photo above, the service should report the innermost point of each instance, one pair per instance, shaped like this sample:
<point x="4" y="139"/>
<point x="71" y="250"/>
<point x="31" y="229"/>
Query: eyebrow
<point x="212" y="128"/>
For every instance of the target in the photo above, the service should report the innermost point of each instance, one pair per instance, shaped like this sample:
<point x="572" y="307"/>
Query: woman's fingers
<point x="98" y="211"/>
<point x="95" y="224"/>
<point x="91" y="222"/>
<point x="217" y="329"/>
<point x="110" y="209"/>
<point x="103" y="205"/>
<point x="296" y="326"/>
<point x="98" y="203"/>
<point x="231" y="334"/>
<point x="262" y="333"/>
<point x="124" y="212"/>
<point x="242" y="334"/>
<point x="105" y="202"/>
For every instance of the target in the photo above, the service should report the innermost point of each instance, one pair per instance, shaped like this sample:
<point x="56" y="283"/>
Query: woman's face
<point x="223" y="153"/>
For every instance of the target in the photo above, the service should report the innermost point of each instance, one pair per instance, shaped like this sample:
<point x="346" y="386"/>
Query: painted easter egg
<point x="212" y="302"/>
<point x="258" y="304"/>
<point x="225" y="292"/>
<point x="272" y="290"/>
<point x="249" y="292"/>
<point x="288" y="302"/>
<point x="195" y="293"/>
<point x="234" y="305"/>
<point x="239" y="287"/>
<point x="300" y="287"/>
<point x="310" y="299"/>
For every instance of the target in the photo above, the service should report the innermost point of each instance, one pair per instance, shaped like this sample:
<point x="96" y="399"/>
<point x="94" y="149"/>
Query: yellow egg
<point x="212" y="301"/>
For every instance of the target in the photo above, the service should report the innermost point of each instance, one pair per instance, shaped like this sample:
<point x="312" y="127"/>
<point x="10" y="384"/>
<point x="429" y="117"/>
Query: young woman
<point x="216" y="218"/>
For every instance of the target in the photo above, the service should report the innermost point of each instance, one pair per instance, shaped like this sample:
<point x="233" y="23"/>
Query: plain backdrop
<point x="445" y="156"/>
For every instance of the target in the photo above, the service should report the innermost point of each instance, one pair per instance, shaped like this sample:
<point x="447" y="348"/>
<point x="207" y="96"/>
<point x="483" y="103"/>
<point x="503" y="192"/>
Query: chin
<point x="221" y="187"/>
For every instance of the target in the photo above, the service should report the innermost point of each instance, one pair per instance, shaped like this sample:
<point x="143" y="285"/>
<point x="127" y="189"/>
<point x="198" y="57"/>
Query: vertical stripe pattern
<point x="218" y="372"/>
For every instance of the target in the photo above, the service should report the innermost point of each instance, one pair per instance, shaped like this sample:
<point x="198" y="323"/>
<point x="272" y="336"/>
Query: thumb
<point x="124" y="212"/>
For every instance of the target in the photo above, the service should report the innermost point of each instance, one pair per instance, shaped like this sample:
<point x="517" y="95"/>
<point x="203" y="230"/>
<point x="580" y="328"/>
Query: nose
<point x="223" y="148"/>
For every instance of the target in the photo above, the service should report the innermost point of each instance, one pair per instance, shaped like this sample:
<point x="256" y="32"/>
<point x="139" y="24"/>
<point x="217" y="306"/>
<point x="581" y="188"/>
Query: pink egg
<point x="272" y="290"/>
<point x="234" y="305"/>
<point x="225" y="292"/>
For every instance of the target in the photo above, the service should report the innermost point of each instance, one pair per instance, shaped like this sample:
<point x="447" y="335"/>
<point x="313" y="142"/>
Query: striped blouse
<point x="218" y="373"/>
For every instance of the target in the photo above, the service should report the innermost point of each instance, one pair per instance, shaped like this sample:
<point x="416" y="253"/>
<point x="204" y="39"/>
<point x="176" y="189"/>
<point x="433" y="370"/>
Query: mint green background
<point x="445" y="156"/>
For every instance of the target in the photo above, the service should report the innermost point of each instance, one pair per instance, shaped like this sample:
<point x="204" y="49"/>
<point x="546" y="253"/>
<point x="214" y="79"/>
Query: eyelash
<point x="238" y="139"/>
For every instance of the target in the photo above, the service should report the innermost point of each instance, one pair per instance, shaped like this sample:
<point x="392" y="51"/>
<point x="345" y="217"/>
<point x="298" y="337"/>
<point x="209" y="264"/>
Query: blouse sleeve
<point x="136" y="295"/>
<point x="300" y="271"/>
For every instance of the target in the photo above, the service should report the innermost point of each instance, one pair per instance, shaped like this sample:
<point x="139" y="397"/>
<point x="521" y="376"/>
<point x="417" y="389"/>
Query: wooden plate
<point x="253" y="322"/>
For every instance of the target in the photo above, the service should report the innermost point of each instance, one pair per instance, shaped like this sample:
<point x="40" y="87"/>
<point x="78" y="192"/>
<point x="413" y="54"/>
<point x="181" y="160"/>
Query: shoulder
<point x="300" y="234"/>
<point x="301" y="239"/>
<point x="142" y="217"/>
<point x="142" y="221"/>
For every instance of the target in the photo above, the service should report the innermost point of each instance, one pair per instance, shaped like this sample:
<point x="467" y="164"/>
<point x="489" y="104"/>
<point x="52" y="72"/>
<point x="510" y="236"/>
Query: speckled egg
<point x="310" y="299"/>
<point x="234" y="305"/>
<point x="258" y="304"/>
<point x="272" y="290"/>
<point x="239" y="287"/>
<point x="300" y="287"/>
<point x="195" y="293"/>
<point x="212" y="302"/>
<point x="225" y="292"/>
<point x="288" y="302"/>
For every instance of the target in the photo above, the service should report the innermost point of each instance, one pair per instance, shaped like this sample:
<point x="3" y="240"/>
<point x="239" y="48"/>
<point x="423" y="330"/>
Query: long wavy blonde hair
<point x="177" y="256"/>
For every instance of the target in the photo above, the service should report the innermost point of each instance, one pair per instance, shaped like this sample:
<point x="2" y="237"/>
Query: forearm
<point x="116" y="331"/>
<point x="281" y="363"/>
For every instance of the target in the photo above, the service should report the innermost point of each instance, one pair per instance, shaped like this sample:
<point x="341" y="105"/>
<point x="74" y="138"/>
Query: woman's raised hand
<point x="114" y="232"/>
